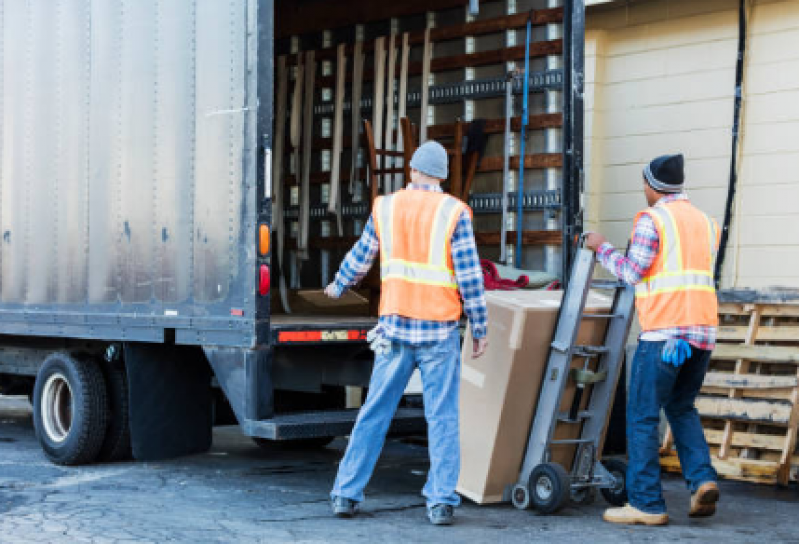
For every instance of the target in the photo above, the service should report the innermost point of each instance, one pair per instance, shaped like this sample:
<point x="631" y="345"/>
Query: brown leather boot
<point x="630" y="515"/>
<point x="703" y="502"/>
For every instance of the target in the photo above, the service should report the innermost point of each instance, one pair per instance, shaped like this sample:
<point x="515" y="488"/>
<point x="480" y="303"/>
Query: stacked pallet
<point x="749" y="403"/>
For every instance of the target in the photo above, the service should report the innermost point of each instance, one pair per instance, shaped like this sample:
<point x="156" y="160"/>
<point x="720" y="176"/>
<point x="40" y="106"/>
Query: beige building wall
<point x="660" y="78"/>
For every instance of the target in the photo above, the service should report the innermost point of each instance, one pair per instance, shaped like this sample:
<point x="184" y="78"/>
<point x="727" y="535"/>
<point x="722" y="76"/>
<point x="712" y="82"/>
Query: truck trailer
<point x="138" y="253"/>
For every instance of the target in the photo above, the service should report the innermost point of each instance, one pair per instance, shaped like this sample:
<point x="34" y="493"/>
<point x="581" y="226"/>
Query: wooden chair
<point x="377" y="170"/>
<point x="410" y="137"/>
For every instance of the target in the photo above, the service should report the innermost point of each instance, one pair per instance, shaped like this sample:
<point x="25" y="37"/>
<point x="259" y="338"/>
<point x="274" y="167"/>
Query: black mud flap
<point x="170" y="400"/>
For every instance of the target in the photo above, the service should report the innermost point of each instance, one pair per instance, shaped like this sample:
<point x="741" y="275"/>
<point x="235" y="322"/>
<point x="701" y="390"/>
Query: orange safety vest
<point x="416" y="269"/>
<point x="678" y="289"/>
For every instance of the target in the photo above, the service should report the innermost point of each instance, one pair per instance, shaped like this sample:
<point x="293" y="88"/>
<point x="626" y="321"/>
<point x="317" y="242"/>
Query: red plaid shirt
<point x="635" y="266"/>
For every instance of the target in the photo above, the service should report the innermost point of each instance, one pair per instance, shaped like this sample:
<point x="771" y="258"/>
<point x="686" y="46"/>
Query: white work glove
<point x="378" y="342"/>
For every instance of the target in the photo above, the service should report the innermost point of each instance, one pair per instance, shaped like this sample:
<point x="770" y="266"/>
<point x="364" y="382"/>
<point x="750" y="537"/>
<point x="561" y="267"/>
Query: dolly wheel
<point x="520" y="497"/>
<point x="549" y="486"/>
<point x="616" y="495"/>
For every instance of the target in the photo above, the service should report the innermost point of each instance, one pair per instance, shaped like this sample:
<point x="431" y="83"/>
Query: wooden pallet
<point x="749" y="403"/>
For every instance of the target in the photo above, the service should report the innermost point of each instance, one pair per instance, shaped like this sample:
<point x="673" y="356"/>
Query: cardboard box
<point x="499" y="391"/>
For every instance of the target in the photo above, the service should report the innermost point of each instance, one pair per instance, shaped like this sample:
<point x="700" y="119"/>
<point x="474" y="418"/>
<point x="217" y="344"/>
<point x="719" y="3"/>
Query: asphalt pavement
<point x="238" y="492"/>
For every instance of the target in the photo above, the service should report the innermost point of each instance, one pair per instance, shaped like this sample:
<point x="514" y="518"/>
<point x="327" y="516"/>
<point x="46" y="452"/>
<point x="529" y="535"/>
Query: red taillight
<point x="263" y="281"/>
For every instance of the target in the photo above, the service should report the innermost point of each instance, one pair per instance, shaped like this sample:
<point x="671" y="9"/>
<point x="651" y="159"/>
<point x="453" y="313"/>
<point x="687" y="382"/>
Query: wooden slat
<point x="766" y="354"/>
<point x="497" y="126"/>
<point x="540" y="160"/>
<point x="759" y="411"/>
<point x="529" y="238"/>
<point x="749" y="381"/>
<point x="763" y="394"/>
<point x="457" y="62"/>
<point x="750" y="470"/>
<point x="747" y="440"/>
<point x="766" y="334"/>
<point x="788" y="446"/>
<point x="769" y="310"/>
<point x="453" y="32"/>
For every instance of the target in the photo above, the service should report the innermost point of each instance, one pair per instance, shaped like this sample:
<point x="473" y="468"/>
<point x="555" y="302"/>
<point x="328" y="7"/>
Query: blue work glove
<point x="675" y="352"/>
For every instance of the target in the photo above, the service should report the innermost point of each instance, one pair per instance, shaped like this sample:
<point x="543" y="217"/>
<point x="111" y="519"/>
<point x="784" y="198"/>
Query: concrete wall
<point x="660" y="79"/>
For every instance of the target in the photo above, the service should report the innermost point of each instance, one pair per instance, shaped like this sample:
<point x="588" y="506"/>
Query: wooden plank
<point x="741" y="367"/>
<point x="766" y="354"/>
<point x="784" y="475"/>
<point x="747" y="440"/>
<point x="768" y="310"/>
<point x="749" y="381"/>
<point x="497" y="126"/>
<point x="750" y="470"/>
<point x="539" y="160"/>
<point x="453" y="32"/>
<point x="760" y="411"/>
<point x="529" y="238"/>
<point x="788" y="333"/>
<point x="763" y="394"/>
<point x="457" y="62"/>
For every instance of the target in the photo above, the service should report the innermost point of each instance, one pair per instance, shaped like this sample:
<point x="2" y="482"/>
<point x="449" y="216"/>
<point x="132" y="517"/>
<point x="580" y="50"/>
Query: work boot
<point x="440" y="514"/>
<point x="630" y="515"/>
<point x="344" y="508"/>
<point x="703" y="502"/>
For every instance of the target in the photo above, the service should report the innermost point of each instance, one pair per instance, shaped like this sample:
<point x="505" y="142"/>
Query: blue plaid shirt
<point x="468" y="273"/>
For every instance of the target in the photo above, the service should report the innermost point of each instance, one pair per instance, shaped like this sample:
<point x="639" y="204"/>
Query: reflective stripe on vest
<point x="673" y="277"/>
<point x="435" y="271"/>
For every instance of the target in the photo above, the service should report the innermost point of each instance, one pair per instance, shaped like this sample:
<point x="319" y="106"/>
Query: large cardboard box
<point x="499" y="391"/>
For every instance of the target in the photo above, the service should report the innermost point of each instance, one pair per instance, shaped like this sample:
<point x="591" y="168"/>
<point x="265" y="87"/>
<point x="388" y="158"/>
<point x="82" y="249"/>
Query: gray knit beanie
<point x="431" y="159"/>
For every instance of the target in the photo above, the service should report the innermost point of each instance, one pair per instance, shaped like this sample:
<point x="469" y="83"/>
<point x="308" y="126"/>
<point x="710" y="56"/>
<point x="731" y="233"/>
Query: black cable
<point x="739" y="76"/>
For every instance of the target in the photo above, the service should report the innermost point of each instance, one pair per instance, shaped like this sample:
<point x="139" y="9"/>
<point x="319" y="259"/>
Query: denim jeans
<point x="439" y="364"/>
<point x="655" y="385"/>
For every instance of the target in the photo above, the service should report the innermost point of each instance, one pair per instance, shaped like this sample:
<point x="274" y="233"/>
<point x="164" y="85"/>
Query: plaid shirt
<point x="635" y="266"/>
<point x="468" y="274"/>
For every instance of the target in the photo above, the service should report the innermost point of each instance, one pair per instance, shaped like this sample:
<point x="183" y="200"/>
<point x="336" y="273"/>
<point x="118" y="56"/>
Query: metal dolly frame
<point x="545" y="485"/>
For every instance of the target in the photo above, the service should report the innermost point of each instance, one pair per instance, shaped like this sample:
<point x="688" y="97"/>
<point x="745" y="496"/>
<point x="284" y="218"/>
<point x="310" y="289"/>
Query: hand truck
<point x="545" y="485"/>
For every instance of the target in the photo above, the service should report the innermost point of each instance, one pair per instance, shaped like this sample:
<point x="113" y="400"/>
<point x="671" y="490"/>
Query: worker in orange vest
<point x="670" y="262"/>
<point x="428" y="261"/>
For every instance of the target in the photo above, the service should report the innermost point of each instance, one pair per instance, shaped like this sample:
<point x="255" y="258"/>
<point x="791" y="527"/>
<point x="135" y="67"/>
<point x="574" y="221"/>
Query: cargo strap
<point x="426" y="57"/>
<point x="378" y="103"/>
<point x="388" y="186"/>
<point x="334" y="204"/>
<point x="587" y="377"/>
<point x="278" y="222"/>
<point x="399" y="180"/>
<point x="307" y="149"/>
<point x="358" y="59"/>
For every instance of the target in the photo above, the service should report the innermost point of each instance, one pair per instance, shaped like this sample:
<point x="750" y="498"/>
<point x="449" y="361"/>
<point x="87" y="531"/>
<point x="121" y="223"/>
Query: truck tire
<point x="116" y="445"/>
<point x="70" y="409"/>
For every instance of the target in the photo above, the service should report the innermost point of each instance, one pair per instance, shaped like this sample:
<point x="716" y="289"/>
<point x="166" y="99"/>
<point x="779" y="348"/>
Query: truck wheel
<point x="549" y="487"/>
<point x="70" y="409"/>
<point x="617" y="495"/>
<point x="116" y="445"/>
<point x="315" y="443"/>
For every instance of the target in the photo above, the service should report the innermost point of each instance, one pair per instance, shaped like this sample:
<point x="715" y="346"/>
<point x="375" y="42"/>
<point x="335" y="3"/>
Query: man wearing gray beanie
<point x="670" y="262"/>
<point x="428" y="262"/>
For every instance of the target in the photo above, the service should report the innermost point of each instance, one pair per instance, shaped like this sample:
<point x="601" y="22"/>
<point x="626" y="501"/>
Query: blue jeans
<point x="655" y="385"/>
<point x="439" y="364"/>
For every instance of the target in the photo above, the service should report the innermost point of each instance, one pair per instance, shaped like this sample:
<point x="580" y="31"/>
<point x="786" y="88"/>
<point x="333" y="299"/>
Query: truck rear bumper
<point x="327" y="423"/>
